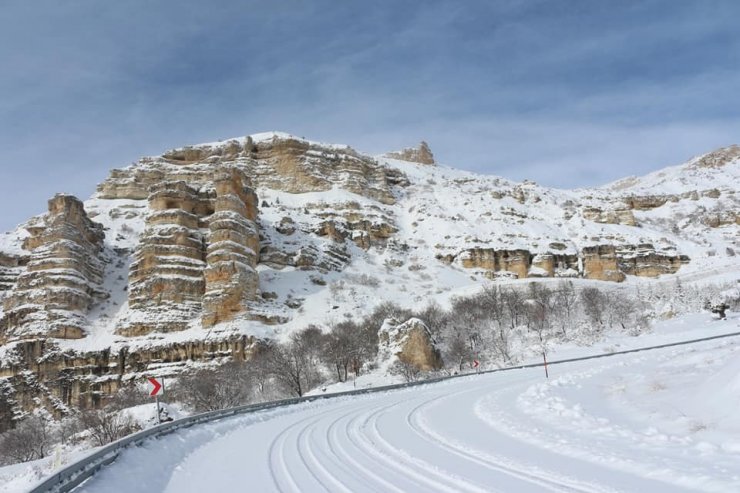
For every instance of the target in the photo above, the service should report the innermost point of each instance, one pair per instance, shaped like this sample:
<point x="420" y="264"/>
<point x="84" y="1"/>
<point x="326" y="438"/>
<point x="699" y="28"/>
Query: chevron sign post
<point x="155" y="393"/>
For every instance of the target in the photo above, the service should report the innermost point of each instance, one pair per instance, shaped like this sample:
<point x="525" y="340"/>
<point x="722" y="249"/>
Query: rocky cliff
<point x="198" y="253"/>
<point x="62" y="277"/>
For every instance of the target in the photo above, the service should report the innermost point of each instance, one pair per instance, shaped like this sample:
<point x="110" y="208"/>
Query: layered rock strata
<point x="599" y="262"/>
<point x="36" y="373"/>
<point x="233" y="250"/>
<point x="281" y="163"/>
<point x="197" y="255"/>
<point x="63" y="276"/>
<point x="421" y="154"/>
<point x="166" y="283"/>
<point x="11" y="267"/>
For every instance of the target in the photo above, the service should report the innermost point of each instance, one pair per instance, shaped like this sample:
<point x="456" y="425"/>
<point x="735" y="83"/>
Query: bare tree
<point x="457" y="349"/>
<point x="409" y="372"/>
<point x="287" y="365"/>
<point x="594" y="305"/>
<point x="309" y="343"/>
<point x="106" y="426"/>
<point x="29" y="440"/>
<point x="514" y="306"/>
<point x="566" y="303"/>
<point x="211" y="389"/>
<point x="621" y="310"/>
<point x="434" y="317"/>
<point x="341" y="348"/>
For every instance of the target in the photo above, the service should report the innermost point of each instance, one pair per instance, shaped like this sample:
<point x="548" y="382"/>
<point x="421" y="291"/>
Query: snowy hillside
<point x="197" y="254"/>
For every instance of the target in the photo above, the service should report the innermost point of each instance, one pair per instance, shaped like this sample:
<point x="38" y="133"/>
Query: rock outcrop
<point x="63" y="276"/>
<point x="600" y="262"/>
<point x="36" y="372"/>
<point x="520" y="263"/>
<point x="233" y="249"/>
<point x="179" y="272"/>
<point x="411" y="342"/>
<point x="612" y="216"/>
<point x="11" y="266"/>
<point x="276" y="161"/>
<point x="718" y="158"/>
<point x="421" y="154"/>
<point x="166" y="283"/>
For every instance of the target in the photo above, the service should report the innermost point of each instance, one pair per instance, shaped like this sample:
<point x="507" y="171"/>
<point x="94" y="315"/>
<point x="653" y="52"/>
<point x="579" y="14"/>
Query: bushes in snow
<point x="31" y="439"/>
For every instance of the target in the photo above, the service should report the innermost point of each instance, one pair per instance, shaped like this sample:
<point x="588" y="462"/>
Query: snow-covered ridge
<point x="327" y="212"/>
<point x="716" y="169"/>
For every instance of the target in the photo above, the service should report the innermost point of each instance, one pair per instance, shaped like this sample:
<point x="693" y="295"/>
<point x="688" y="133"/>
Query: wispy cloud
<point x="568" y="94"/>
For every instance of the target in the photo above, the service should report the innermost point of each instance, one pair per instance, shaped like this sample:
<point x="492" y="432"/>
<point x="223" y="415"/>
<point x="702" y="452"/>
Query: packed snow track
<point x="625" y="423"/>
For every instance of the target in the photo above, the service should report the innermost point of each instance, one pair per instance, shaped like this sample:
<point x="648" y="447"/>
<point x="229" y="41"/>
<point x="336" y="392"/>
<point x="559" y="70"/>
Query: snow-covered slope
<point x="342" y="231"/>
<point x="322" y="233"/>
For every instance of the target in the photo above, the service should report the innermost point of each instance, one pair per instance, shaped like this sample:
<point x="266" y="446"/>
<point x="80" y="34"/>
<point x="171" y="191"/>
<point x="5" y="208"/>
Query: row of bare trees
<point x="308" y="359"/>
<point x="500" y="322"/>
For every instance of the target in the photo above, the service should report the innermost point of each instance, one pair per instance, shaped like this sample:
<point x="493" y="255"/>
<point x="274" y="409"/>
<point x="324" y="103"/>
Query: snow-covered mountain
<point x="197" y="252"/>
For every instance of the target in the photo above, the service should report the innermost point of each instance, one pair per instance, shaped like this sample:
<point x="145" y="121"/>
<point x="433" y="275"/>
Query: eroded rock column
<point x="63" y="276"/>
<point x="166" y="278"/>
<point x="233" y="249"/>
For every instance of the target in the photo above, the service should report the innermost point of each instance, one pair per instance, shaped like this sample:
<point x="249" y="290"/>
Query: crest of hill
<point x="716" y="169"/>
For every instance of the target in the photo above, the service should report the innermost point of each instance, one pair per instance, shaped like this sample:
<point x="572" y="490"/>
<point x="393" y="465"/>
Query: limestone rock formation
<point x="276" y="161"/>
<point x="37" y="373"/>
<point x="166" y="283"/>
<point x="411" y="342"/>
<point x="233" y="249"/>
<point x="421" y="154"/>
<point x="718" y="158"/>
<point x="63" y="276"/>
<point x="179" y="271"/>
<point x="337" y="231"/>
<point x="11" y="267"/>
<point x="600" y="262"/>
<point x="613" y="216"/>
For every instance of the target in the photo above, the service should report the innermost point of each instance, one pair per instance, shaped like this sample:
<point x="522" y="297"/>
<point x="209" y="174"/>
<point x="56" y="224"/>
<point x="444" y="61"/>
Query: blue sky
<point x="566" y="93"/>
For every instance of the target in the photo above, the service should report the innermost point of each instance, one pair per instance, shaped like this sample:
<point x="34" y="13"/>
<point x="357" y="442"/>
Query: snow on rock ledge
<point x="63" y="276"/>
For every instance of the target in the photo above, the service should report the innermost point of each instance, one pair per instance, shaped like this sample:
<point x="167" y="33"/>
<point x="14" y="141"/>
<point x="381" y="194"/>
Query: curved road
<point x="501" y="432"/>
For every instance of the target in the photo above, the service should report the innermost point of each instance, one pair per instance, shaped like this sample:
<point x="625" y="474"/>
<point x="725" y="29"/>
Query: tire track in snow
<point x="416" y="422"/>
<point x="415" y="467"/>
<point x="335" y="445"/>
<point x="276" y="455"/>
<point x="355" y="434"/>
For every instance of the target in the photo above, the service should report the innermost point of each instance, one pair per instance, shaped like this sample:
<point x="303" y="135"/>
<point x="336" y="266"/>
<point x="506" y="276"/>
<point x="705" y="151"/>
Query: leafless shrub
<point x="30" y="440"/>
<point x="363" y="280"/>
<point x="106" y="426"/>
<point x="409" y="372"/>
<point x="594" y="303"/>
<point x="209" y="389"/>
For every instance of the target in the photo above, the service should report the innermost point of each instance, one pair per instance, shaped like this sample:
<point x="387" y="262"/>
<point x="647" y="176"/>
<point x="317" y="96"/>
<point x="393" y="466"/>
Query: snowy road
<point x="660" y="421"/>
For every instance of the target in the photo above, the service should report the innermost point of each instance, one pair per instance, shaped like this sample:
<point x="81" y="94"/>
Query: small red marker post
<point x="476" y="364"/>
<point x="544" y="358"/>
<point x="155" y="393"/>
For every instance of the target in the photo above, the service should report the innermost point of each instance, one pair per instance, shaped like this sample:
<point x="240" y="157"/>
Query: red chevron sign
<point x="157" y="386"/>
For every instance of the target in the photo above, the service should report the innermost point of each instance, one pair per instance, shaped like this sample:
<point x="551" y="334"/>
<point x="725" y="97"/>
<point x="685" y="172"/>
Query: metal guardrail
<point x="68" y="478"/>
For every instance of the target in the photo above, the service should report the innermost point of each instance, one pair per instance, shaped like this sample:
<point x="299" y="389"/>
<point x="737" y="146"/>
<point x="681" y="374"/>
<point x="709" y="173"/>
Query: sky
<point x="565" y="93"/>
